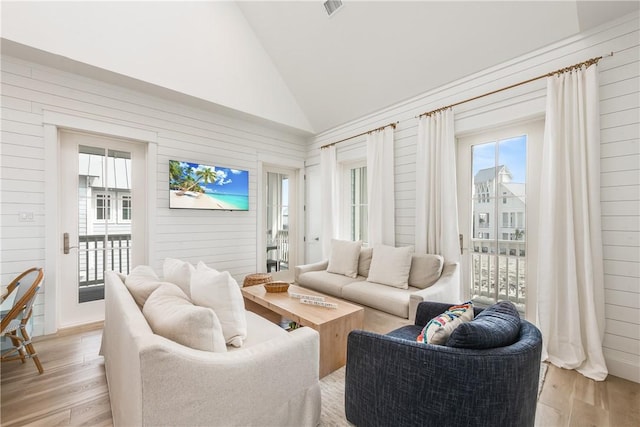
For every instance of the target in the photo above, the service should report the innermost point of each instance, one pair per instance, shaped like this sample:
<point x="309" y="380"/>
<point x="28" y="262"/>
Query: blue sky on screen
<point x="512" y="152"/>
<point x="229" y="181"/>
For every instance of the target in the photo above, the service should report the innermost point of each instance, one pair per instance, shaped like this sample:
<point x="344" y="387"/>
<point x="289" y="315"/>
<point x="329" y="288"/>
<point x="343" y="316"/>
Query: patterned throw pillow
<point x="438" y="329"/>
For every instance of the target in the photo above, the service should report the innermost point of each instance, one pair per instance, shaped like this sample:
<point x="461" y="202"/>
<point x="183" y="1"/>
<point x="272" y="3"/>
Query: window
<point x="358" y="203"/>
<point x="354" y="218"/>
<point x="103" y="207"/>
<point x="124" y="213"/>
<point x="483" y="220"/>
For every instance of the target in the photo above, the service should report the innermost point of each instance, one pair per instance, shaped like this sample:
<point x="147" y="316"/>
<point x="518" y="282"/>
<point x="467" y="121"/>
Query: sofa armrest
<point x="239" y="387"/>
<point x="446" y="289"/>
<point x="317" y="266"/>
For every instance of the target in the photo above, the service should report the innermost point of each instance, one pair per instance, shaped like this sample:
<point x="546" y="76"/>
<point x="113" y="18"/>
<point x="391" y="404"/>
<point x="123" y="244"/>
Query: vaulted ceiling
<point x="287" y="63"/>
<point x="371" y="54"/>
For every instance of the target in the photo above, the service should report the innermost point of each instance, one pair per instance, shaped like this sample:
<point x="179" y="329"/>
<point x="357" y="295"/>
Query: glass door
<point x="98" y="213"/>
<point x="498" y="206"/>
<point x="497" y="214"/>
<point x="277" y="224"/>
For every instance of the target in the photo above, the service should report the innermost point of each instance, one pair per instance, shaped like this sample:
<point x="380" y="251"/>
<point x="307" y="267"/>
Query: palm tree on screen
<point x="206" y="175"/>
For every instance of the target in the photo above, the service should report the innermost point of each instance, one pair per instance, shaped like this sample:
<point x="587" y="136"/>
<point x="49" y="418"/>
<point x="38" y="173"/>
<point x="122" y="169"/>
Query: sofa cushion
<point x="381" y="297"/>
<point x="390" y="266"/>
<point x="496" y="326"/>
<point x="438" y="329"/>
<point x="425" y="270"/>
<point x="364" y="262"/>
<point x="178" y="272"/>
<point x="170" y="314"/>
<point x="220" y="292"/>
<point x="344" y="257"/>
<point x="325" y="282"/>
<point x="141" y="282"/>
<point x="259" y="330"/>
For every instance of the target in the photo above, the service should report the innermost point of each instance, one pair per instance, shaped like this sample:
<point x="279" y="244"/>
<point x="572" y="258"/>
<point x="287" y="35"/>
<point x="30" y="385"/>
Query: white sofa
<point x="398" y="302"/>
<point x="271" y="380"/>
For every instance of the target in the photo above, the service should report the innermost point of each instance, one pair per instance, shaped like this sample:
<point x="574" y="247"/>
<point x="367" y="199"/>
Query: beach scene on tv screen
<point x="196" y="186"/>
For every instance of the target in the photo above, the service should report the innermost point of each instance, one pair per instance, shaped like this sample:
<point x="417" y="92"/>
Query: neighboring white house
<point x="104" y="206"/>
<point x="498" y="212"/>
<point x="104" y="217"/>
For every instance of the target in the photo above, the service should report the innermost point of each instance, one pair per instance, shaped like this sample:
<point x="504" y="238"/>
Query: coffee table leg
<point x="333" y="341"/>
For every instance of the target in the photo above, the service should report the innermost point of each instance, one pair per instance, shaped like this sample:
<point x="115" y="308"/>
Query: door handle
<point x="65" y="243"/>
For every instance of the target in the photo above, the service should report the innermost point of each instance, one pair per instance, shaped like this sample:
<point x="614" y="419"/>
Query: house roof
<point x="516" y="189"/>
<point x="489" y="174"/>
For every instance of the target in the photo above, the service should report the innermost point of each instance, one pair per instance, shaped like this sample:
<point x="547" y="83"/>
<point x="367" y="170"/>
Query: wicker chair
<point x="394" y="380"/>
<point x="14" y="323"/>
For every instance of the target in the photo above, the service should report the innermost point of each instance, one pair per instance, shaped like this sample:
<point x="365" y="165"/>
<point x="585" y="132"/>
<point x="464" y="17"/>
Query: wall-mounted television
<point x="198" y="186"/>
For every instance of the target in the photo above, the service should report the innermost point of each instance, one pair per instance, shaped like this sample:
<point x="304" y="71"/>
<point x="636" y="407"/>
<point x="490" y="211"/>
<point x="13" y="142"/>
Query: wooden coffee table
<point x="333" y="324"/>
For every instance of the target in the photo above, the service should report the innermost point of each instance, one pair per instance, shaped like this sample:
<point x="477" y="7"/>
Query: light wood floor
<point x="73" y="390"/>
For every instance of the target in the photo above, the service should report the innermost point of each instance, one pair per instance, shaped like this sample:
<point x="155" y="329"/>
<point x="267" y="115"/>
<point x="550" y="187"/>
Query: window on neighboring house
<point x="483" y="220"/>
<point x="103" y="206"/>
<point x="124" y="213"/>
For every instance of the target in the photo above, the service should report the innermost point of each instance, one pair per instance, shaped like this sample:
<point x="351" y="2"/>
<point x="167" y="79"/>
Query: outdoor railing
<point x="94" y="258"/>
<point x="498" y="271"/>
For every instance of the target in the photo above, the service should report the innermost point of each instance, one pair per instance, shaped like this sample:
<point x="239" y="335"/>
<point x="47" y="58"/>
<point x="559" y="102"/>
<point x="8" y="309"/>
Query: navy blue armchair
<point x="392" y="380"/>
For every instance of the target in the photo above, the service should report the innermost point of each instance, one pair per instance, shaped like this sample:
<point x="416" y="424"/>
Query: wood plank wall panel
<point x="620" y="154"/>
<point x="225" y="240"/>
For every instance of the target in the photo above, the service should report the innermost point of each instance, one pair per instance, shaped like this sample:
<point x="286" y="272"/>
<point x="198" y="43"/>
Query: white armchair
<point x="155" y="381"/>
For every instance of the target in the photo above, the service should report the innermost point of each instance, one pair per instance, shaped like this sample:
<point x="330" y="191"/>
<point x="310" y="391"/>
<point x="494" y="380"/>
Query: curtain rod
<point x="393" y="125"/>
<point x="586" y="63"/>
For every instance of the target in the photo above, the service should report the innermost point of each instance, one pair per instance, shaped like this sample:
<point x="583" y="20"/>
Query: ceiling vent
<point x="332" y="6"/>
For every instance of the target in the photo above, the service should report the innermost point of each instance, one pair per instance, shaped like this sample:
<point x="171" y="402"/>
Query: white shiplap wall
<point x="620" y="152"/>
<point x="225" y="240"/>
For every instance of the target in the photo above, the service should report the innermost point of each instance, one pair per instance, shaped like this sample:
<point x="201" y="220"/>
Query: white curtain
<point x="436" y="191"/>
<point x="380" y="187"/>
<point x="570" y="266"/>
<point x="329" y="197"/>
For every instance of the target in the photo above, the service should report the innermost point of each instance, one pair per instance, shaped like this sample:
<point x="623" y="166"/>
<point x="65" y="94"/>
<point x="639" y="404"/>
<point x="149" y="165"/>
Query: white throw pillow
<point x="170" y="314"/>
<point x="364" y="262"/>
<point x="141" y="273"/>
<point x="425" y="270"/>
<point x="390" y="266"/>
<point x="220" y="292"/>
<point x="178" y="272"/>
<point x="344" y="257"/>
<point x="202" y="265"/>
<point x="141" y="282"/>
